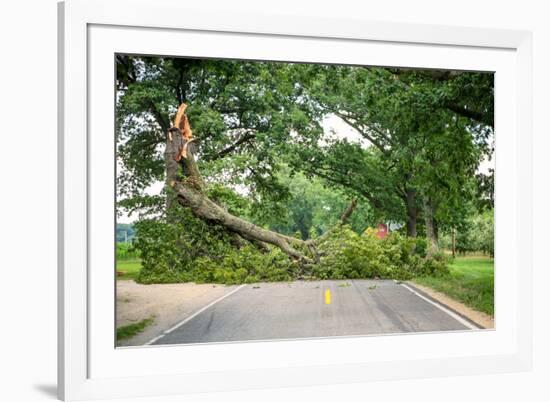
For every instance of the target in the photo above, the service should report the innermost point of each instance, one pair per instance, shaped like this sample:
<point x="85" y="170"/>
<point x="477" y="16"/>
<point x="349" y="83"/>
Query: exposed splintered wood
<point x="182" y="122"/>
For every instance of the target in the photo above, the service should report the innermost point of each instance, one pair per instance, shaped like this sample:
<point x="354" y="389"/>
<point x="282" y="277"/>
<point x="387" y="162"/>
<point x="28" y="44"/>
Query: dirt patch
<point x="482" y="319"/>
<point x="168" y="304"/>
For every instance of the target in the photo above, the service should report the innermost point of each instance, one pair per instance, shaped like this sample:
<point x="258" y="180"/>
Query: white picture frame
<point x="89" y="365"/>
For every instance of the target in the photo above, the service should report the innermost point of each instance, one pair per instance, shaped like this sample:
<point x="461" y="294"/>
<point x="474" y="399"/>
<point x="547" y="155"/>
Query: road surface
<point x="305" y="309"/>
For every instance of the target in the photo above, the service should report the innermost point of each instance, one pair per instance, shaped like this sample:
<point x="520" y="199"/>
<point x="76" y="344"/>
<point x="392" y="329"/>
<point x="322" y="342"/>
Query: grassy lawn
<point x="131" y="330"/>
<point x="470" y="281"/>
<point x="129" y="267"/>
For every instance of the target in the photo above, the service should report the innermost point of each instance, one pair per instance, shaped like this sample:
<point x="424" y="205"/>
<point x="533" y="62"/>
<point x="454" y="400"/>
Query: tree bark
<point x="431" y="228"/>
<point x="171" y="167"/>
<point x="453" y="241"/>
<point x="412" y="212"/>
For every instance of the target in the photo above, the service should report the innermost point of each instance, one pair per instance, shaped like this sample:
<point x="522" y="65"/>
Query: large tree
<point x="428" y="130"/>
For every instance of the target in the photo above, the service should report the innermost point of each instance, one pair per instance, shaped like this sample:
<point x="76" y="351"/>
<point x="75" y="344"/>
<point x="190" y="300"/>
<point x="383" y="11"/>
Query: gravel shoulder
<point x="480" y="318"/>
<point x="168" y="304"/>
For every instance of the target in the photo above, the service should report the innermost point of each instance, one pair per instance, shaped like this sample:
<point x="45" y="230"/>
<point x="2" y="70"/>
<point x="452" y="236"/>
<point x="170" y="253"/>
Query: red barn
<point x="382" y="230"/>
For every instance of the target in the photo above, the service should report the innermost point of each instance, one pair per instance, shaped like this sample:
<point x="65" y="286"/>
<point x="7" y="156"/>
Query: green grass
<point x="129" y="268"/>
<point x="125" y="251"/>
<point x="131" y="330"/>
<point x="471" y="280"/>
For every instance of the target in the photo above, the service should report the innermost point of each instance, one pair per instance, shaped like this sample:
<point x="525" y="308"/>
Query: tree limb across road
<point x="190" y="193"/>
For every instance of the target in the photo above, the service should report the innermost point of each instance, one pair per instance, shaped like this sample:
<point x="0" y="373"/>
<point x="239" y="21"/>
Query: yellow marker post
<point x="327" y="296"/>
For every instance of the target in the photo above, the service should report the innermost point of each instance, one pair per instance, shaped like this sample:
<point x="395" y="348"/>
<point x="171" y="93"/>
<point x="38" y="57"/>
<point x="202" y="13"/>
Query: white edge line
<point x="196" y="313"/>
<point x="442" y="308"/>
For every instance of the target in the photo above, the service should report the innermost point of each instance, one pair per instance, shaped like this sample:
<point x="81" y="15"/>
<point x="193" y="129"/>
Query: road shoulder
<point x="483" y="320"/>
<point x="165" y="303"/>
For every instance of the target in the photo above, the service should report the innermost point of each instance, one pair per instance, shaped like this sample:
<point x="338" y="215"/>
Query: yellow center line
<point x="327" y="296"/>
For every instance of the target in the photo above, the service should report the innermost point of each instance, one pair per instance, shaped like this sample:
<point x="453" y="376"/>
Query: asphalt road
<point x="302" y="310"/>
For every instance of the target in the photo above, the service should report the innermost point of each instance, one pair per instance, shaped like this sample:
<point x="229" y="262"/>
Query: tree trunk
<point x="171" y="167"/>
<point x="431" y="229"/>
<point x="412" y="212"/>
<point x="453" y="241"/>
<point x="304" y="232"/>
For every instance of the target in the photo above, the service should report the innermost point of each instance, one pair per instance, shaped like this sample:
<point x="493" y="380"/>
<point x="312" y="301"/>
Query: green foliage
<point x="485" y="232"/>
<point x="428" y="135"/>
<point x="312" y="208"/>
<point x="125" y="251"/>
<point x="477" y="234"/>
<point x="168" y="250"/>
<point x="471" y="280"/>
<point x="485" y="190"/>
<point x="234" y="203"/>
<point x="421" y="246"/>
<point x="249" y="116"/>
<point x="345" y="254"/>
<point x="246" y="265"/>
<point x="167" y="258"/>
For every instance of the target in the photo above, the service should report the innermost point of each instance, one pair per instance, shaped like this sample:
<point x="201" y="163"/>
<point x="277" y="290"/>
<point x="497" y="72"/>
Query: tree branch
<point x="373" y="201"/>
<point x="446" y="75"/>
<point x="245" y="138"/>
<point x="360" y="130"/>
<point x="161" y="120"/>
<point x="471" y="114"/>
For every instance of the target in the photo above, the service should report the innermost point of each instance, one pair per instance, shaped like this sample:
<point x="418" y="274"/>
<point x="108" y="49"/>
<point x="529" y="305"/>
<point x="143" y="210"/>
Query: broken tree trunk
<point x="171" y="167"/>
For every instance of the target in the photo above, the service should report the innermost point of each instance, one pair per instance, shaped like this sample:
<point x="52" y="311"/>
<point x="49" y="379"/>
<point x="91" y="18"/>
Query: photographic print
<point x="262" y="200"/>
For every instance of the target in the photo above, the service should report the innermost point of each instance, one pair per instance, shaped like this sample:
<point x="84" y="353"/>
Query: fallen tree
<point x="189" y="189"/>
<point x="189" y="196"/>
<point x="207" y="244"/>
<point x="203" y="242"/>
